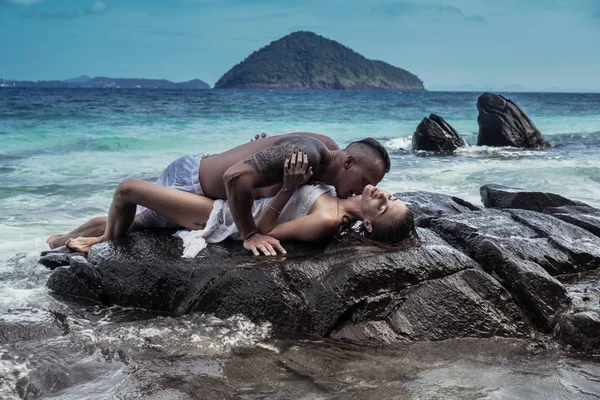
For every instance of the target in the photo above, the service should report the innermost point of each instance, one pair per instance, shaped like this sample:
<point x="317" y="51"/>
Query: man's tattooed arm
<point x="269" y="162"/>
<point x="265" y="168"/>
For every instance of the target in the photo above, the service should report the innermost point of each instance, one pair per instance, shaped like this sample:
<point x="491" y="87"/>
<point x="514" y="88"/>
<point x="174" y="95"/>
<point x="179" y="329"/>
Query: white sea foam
<point x="11" y="370"/>
<point x="401" y="143"/>
<point x="202" y="333"/>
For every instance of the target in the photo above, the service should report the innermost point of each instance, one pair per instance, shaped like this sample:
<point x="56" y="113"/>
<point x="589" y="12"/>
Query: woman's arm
<point x="295" y="172"/>
<point x="309" y="228"/>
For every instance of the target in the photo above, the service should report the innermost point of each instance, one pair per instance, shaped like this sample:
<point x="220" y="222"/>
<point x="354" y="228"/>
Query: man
<point x="255" y="170"/>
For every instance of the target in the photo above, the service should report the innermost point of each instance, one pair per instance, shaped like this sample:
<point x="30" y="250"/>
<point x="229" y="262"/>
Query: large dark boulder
<point x="503" y="123"/>
<point x="312" y="290"/>
<point x="479" y="273"/>
<point x="436" y="135"/>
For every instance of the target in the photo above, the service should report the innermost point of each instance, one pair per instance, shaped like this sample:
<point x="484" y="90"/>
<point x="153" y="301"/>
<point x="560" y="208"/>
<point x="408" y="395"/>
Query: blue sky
<point x="536" y="44"/>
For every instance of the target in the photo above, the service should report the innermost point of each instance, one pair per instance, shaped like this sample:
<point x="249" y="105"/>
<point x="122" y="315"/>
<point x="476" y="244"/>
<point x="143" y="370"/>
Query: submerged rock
<point x="503" y="123"/>
<point x="435" y="134"/>
<point x="31" y="324"/>
<point x="479" y="273"/>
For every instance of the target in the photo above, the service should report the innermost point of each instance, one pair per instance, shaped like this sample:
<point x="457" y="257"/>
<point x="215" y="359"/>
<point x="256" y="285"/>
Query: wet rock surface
<point x="498" y="196"/>
<point x="503" y="123"/>
<point x="426" y="205"/>
<point x="436" y="135"/>
<point x="585" y="217"/>
<point x="31" y="324"/>
<point x="479" y="273"/>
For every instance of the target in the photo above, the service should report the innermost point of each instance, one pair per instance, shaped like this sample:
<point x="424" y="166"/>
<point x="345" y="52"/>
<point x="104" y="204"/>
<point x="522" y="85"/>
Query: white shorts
<point x="181" y="174"/>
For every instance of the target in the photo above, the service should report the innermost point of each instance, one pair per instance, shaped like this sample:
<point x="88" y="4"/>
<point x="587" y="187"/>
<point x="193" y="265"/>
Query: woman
<point x="296" y="212"/>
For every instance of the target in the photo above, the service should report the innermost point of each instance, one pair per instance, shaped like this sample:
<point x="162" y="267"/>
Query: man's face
<point x="355" y="177"/>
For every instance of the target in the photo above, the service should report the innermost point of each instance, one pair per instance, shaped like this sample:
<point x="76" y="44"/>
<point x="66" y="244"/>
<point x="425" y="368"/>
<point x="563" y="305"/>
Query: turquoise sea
<point x="63" y="151"/>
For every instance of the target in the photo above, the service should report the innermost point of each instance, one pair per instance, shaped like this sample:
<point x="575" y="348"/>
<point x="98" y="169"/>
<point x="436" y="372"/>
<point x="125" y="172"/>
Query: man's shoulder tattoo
<point x="269" y="162"/>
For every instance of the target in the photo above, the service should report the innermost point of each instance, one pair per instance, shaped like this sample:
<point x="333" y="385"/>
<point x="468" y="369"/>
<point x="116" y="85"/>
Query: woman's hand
<point x="296" y="170"/>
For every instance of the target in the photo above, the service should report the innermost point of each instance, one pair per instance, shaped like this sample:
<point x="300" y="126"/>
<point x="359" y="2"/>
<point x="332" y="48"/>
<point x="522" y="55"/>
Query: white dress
<point x="220" y="225"/>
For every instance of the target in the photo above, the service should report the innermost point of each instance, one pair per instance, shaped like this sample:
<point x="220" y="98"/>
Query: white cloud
<point x="99" y="6"/>
<point x="25" y="2"/>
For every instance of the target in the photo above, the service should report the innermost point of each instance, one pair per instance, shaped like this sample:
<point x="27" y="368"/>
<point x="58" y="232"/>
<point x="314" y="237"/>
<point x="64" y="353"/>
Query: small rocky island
<point x="305" y="60"/>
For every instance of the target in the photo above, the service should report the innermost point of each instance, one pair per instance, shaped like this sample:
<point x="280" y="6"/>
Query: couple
<point x="273" y="169"/>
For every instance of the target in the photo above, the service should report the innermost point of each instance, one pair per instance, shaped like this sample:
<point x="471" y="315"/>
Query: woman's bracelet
<point x="250" y="236"/>
<point x="271" y="207"/>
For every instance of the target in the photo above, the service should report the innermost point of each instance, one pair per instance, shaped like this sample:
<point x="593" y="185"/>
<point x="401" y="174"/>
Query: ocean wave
<point x="110" y="143"/>
<point x="77" y="190"/>
<point x="7" y="170"/>
<point x="9" y="157"/>
<point x="399" y="144"/>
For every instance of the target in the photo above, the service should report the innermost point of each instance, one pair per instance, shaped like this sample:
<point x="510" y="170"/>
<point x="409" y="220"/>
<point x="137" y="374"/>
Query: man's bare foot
<point x="54" y="241"/>
<point x="83" y="244"/>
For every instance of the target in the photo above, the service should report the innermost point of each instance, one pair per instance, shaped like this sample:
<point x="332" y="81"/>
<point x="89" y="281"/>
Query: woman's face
<point x="378" y="205"/>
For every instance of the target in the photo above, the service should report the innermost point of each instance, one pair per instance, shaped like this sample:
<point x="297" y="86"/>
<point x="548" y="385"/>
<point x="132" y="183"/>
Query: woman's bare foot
<point x="83" y="244"/>
<point x="54" y="241"/>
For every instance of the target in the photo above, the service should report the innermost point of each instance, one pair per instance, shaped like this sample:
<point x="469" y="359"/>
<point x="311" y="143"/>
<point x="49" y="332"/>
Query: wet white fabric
<point x="220" y="225"/>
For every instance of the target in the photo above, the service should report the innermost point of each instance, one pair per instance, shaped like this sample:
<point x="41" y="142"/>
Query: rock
<point x="435" y="134"/>
<point x="31" y="324"/>
<point x="58" y="250"/>
<point x="54" y="260"/>
<point x="581" y="330"/>
<point x="479" y="273"/>
<point x="503" y="123"/>
<point x="312" y="290"/>
<point x="580" y="325"/>
<point x="498" y="196"/>
<point x="525" y="250"/>
<point x="585" y="217"/>
<point x="425" y="205"/>
<point x="78" y="281"/>
<point x="467" y="304"/>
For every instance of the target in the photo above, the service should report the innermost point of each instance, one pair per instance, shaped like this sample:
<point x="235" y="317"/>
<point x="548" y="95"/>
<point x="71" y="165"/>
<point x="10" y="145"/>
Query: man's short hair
<point x="370" y="147"/>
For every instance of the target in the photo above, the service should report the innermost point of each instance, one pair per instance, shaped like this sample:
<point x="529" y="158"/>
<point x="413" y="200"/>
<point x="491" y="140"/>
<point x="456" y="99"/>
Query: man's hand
<point x="264" y="243"/>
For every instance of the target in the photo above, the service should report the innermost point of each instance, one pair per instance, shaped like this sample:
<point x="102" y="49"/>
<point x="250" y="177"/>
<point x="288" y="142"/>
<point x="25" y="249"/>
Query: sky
<point x="471" y="44"/>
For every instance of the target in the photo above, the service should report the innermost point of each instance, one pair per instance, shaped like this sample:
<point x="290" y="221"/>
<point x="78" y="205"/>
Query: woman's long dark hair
<point x="397" y="234"/>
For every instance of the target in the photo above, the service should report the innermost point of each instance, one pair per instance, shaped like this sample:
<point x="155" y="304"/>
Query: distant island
<point x="305" y="60"/>
<point x="104" y="82"/>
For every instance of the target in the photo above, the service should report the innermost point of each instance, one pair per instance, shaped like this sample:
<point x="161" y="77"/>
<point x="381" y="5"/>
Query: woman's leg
<point x="188" y="210"/>
<point x="94" y="227"/>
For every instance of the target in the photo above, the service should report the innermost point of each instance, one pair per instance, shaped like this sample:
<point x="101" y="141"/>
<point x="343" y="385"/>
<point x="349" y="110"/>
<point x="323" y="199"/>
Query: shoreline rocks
<point x="435" y="134"/>
<point x="503" y="123"/>
<point x="480" y="273"/>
